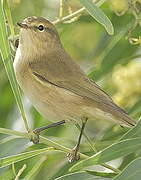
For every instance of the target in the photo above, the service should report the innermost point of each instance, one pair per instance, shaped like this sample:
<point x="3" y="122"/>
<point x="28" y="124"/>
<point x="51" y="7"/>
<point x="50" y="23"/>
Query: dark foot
<point x="35" y="137"/>
<point x="36" y="132"/>
<point x="73" y="155"/>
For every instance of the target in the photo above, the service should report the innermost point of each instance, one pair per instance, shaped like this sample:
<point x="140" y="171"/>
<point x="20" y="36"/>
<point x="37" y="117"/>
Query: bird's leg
<point x="73" y="155"/>
<point x="37" y="131"/>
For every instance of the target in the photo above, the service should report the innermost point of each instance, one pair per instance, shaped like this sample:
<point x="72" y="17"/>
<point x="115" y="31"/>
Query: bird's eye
<point x="41" y="27"/>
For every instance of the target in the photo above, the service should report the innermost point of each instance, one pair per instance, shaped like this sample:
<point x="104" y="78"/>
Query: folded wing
<point x="60" y="70"/>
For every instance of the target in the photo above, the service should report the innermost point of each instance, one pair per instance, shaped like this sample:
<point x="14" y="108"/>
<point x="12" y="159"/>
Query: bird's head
<point x="38" y="32"/>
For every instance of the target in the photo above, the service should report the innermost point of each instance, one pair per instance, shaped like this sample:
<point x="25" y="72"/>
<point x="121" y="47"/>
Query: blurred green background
<point x="112" y="61"/>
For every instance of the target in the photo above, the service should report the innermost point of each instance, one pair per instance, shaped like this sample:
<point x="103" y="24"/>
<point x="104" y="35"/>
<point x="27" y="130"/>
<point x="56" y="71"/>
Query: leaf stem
<point x="76" y="13"/>
<point x="65" y="18"/>
<point x="42" y="140"/>
<point x="20" y="172"/>
<point x="61" y="9"/>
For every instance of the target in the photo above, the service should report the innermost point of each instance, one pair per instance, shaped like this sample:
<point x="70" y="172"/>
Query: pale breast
<point x="52" y="102"/>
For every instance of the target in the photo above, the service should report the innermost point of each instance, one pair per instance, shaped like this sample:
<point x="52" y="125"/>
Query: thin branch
<point x="61" y="9"/>
<point x="13" y="169"/>
<point x="20" y="172"/>
<point x="65" y="18"/>
<point x="42" y="140"/>
<point x="50" y="143"/>
<point x="76" y="13"/>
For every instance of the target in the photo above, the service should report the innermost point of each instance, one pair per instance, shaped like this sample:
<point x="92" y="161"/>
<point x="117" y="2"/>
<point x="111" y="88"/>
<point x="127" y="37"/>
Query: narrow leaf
<point x="108" y="48"/>
<point x="101" y="174"/>
<point x="6" y="56"/>
<point x="132" y="171"/>
<point x="80" y="175"/>
<point x="98" y="15"/>
<point x="9" y="17"/>
<point x="36" y="168"/>
<point x="19" y="157"/>
<point x="134" y="132"/>
<point x="114" y="151"/>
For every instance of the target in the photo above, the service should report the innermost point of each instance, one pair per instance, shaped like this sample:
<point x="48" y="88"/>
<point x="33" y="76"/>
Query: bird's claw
<point x="73" y="155"/>
<point x="35" y="137"/>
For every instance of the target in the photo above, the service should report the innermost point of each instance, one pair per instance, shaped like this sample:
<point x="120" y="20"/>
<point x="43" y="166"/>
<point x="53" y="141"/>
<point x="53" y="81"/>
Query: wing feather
<point x="66" y="74"/>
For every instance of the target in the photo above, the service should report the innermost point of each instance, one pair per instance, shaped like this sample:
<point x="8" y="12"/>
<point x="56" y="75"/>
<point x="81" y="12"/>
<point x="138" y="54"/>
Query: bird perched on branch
<point x="55" y="84"/>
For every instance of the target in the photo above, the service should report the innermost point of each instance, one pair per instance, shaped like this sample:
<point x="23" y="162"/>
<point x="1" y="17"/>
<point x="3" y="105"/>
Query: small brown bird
<point x="55" y="84"/>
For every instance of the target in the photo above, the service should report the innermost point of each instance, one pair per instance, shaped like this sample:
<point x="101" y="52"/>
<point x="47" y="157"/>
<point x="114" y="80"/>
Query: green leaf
<point x="7" y="59"/>
<point x="80" y="175"/>
<point x="7" y="139"/>
<point x="114" y="151"/>
<point x="101" y="174"/>
<point x="36" y="168"/>
<point x="132" y="171"/>
<point x="102" y="58"/>
<point x="134" y="132"/>
<point x="98" y="15"/>
<point x="137" y="106"/>
<point x="9" y="17"/>
<point x="19" y="157"/>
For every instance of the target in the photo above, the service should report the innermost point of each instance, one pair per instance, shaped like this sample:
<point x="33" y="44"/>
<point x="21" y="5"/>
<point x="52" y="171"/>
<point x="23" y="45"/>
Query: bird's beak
<point x="22" y="25"/>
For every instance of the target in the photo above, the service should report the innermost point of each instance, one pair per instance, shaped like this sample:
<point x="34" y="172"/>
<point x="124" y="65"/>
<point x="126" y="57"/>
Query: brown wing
<point x="59" y="70"/>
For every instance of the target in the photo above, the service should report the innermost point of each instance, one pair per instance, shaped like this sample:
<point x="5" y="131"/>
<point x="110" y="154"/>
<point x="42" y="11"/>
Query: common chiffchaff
<point x="54" y="83"/>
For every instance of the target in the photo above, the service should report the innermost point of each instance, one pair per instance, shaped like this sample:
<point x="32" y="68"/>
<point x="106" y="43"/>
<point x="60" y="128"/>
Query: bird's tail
<point x="126" y="120"/>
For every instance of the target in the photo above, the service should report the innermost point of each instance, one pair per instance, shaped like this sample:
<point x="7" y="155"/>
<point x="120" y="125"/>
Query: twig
<point x="42" y="140"/>
<point x="20" y="172"/>
<point x="61" y="10"/>
<point x="50" y="143"/>
<point x="13" y="169"/>
<point x="76" y="13"/>
<point x="69" y="16"/>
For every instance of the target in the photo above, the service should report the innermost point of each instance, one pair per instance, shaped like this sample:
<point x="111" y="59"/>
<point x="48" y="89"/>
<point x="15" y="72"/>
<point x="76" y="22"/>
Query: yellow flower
<point x="119" y="6"/>
<point x="127" y="79"/>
